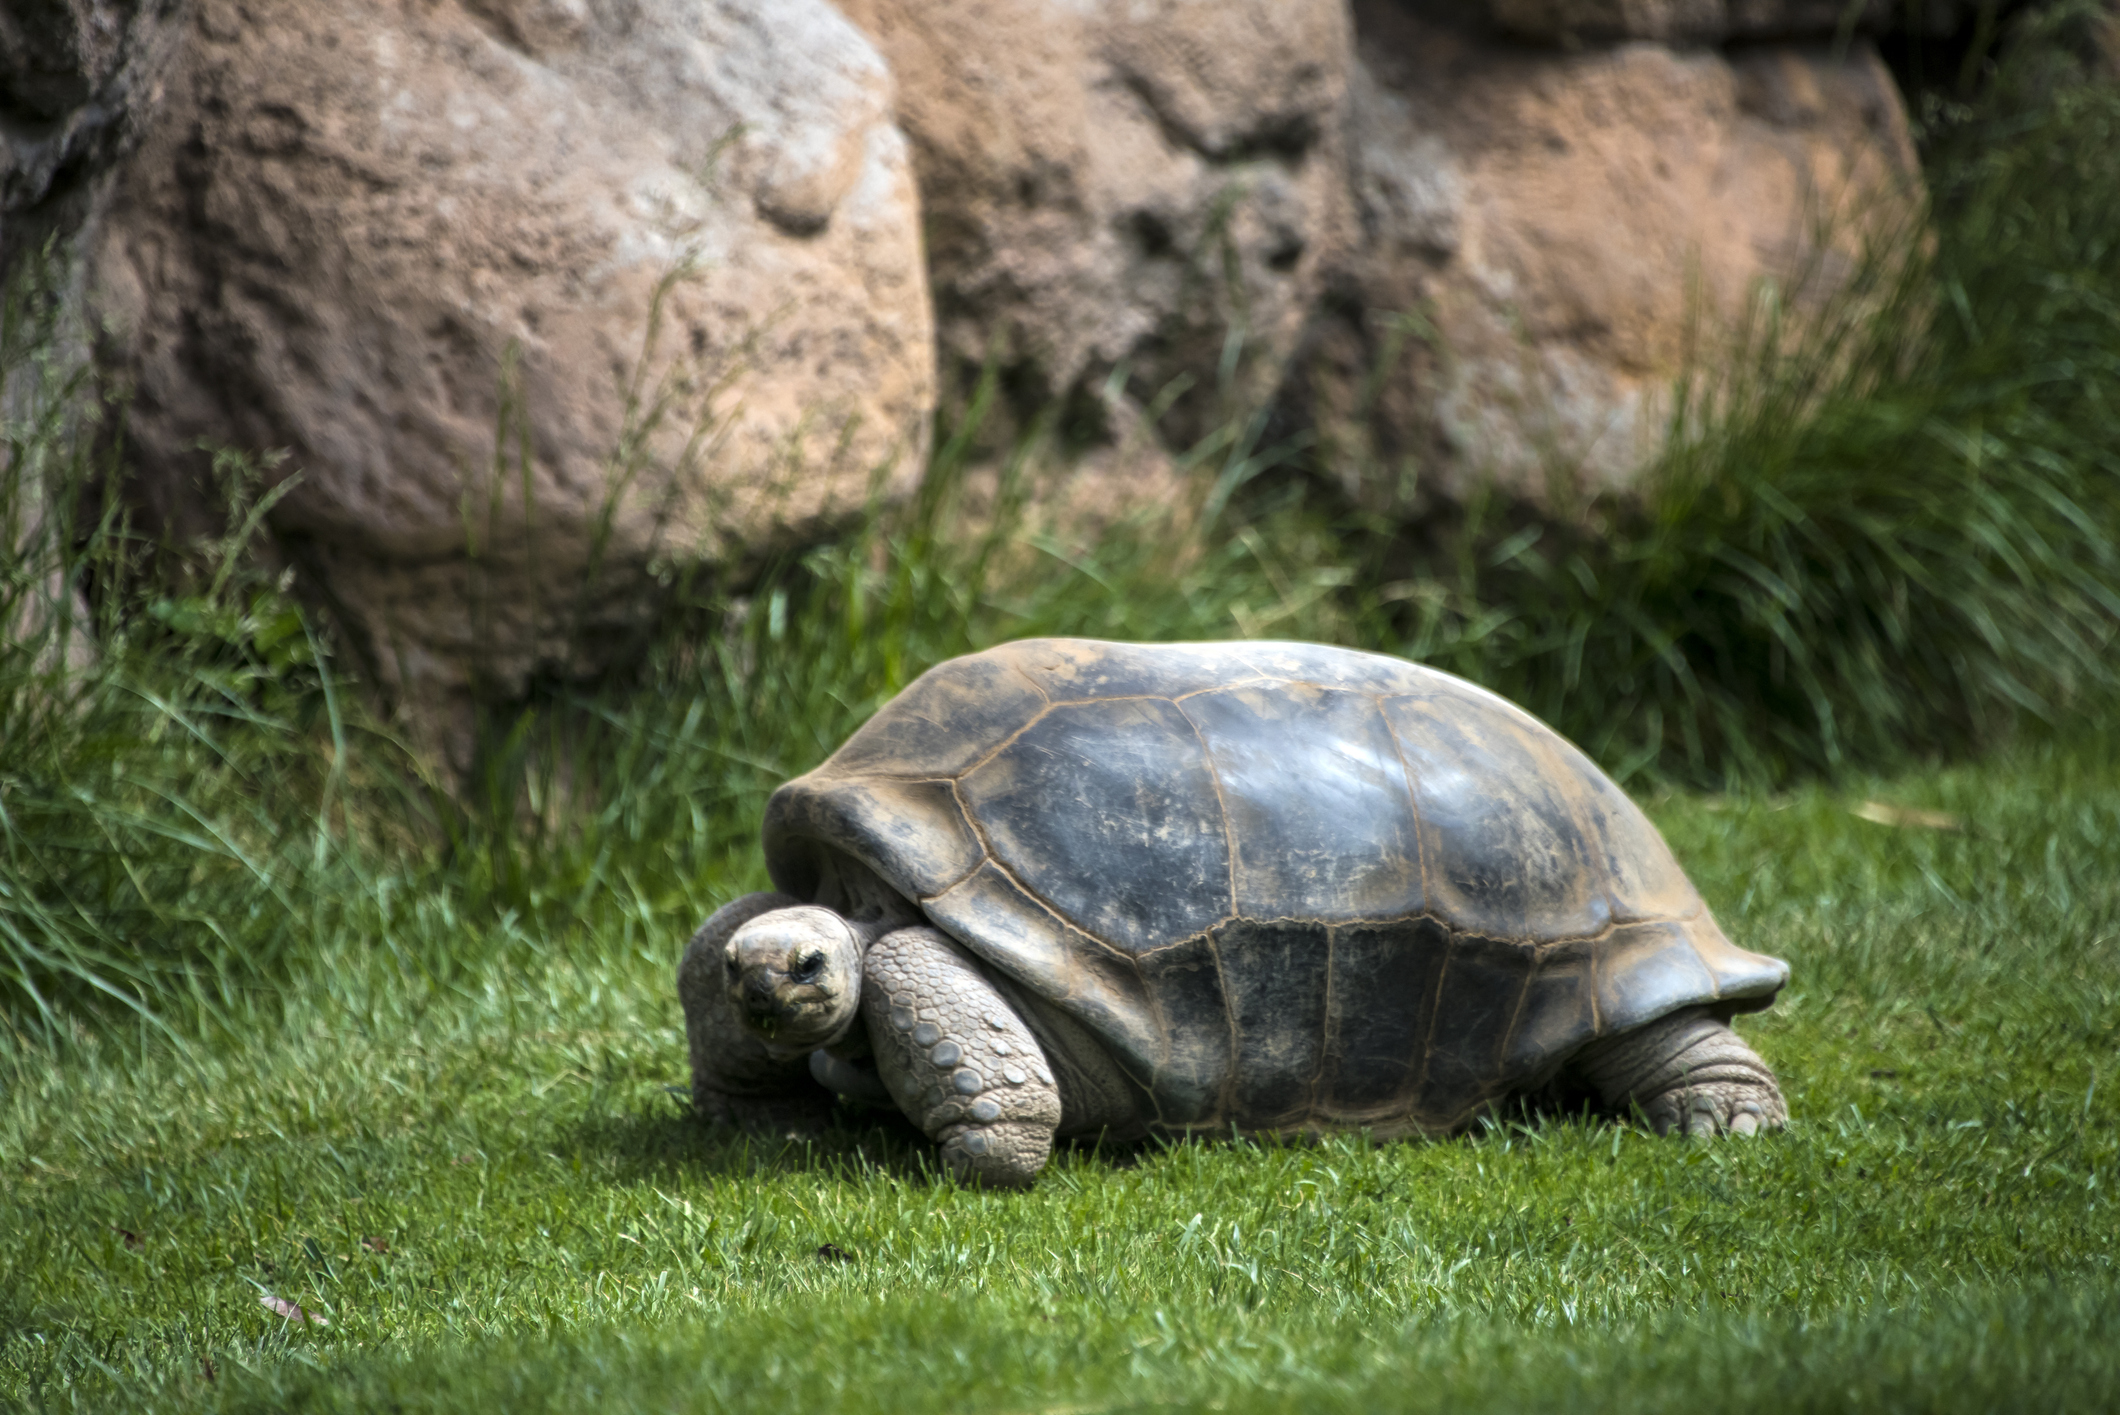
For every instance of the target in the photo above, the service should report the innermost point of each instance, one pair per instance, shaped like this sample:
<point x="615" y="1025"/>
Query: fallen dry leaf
<point x="280" y="1306"/>
<point x="833" y="1253"/>
<point x="132" y="1239"/>
<point x="375" y="1245"/>
<point x="1881" y="814"/>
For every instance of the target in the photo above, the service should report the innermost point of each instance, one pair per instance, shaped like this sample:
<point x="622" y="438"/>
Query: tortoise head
<point x="795" y="977"/>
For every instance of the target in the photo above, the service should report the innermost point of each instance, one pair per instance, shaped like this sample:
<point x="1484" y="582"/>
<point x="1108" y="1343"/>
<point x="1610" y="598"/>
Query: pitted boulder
<point x="688" y="230"/>
<point x="1557" y="236"/>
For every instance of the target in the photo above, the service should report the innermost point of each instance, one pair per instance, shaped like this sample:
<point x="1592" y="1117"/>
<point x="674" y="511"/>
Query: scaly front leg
<point x="957" y="1058"/>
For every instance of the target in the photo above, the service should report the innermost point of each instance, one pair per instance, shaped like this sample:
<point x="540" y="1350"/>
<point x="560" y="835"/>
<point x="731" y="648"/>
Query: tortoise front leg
<point x="735" y="1076"/>
<point x="957" y="1058"/>
<point x="1687" y="1072"/>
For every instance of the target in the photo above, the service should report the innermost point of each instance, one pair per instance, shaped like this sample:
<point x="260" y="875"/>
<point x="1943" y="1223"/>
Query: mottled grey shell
<point x="1287" y="886"/>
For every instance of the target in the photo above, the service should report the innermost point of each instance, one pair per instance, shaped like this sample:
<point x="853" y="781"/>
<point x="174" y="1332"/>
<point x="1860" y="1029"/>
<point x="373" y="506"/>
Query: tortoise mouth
<point x="763" y="1020"/>
<point x="789" y="1013"/>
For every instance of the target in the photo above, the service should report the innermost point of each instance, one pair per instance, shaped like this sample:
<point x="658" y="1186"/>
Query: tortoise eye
<point x="807" y="969"/>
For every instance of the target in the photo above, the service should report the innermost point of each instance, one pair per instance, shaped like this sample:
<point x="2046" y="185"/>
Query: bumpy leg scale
<point x="958" y="1059"/>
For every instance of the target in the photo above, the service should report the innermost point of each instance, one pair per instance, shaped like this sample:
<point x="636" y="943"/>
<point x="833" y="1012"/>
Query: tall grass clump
<point x="1889" y="526"/>
<point x="178" y="778"/>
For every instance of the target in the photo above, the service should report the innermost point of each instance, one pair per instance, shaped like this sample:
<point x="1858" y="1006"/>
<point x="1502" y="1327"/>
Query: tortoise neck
<point x="859" y="895"/>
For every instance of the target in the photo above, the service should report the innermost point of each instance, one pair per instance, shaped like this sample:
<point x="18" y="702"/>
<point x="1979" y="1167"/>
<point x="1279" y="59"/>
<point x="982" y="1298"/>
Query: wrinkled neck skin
<point x="857" y="894"/>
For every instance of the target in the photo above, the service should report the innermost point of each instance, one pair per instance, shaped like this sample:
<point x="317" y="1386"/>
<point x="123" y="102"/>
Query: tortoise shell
<point x="1288" y="887"/>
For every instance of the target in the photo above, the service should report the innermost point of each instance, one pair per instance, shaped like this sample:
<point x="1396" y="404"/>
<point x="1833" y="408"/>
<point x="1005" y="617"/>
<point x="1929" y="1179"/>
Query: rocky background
<point x="549" y="300"/>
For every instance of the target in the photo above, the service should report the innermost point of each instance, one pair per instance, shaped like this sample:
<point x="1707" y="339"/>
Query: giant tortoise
<point x="1066" y="887"/>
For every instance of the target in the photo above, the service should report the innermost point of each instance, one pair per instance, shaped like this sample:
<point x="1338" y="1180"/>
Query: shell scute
<point x="1385" y="978"/>
<point x="1277" y="979"/>
<point x="1643" y="880"/>
<point x="1322" y="666"/>
<point x="1108" y="812"/>
<point x="1646" y="970"/>
<point x="1482" y="984"/>
<point x="912" y="832"/>
<point x="1194" y="1057"/>
<point x="944" y="721"/>
<point x="1558" y="1008"/>
<point x="1320" y="816"/>
<point x="1077" y="670"/>
<point x="1504" y="851"/>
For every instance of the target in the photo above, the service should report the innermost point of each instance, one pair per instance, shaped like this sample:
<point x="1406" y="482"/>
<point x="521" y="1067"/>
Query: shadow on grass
<point x="672" y="1143"/>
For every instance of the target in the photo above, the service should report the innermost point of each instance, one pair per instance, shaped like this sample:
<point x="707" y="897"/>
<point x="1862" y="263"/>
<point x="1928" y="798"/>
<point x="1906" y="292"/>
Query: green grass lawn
<point x="480" y="1180"/>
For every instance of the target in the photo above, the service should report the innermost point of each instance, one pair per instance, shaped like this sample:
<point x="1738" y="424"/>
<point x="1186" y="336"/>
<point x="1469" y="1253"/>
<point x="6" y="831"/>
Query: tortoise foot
<point x="1704" y="1111"/>
<point x="1686" y="1074"/>
<point x="1003" y="1156"/>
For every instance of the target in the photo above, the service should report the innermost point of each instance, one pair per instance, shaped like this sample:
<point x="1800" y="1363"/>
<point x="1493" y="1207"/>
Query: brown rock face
<point x="354" y="212"/>
<point x="1550" y="237"/>
<point x="1122" y="182"/>
<point x="547" y="300"/>
<point x="78" y="79"/>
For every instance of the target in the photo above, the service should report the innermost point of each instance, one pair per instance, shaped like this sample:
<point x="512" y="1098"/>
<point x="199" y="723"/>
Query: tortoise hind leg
<point x="735" y="1076"/>
<point x="1686" y="1072"/>
<point x="958" y="1060"/>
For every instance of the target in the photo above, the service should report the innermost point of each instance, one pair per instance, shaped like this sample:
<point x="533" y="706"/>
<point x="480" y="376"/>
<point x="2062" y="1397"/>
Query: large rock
<point x="79" y="80"/>
<point x="690" y="227"/>
<point x="1118" y="183"/>
<point x="1551" y="238"/>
